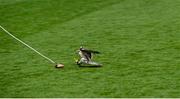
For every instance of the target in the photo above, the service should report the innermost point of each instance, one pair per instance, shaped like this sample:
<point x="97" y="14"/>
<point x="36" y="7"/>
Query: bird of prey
<point x="86" y="57"/>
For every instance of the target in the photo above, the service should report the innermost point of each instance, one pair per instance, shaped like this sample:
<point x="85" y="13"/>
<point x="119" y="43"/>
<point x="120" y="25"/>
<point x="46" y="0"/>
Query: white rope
<point x="27" y="45"/>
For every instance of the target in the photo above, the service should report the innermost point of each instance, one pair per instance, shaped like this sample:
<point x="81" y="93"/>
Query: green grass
<point x="138" y="39"/>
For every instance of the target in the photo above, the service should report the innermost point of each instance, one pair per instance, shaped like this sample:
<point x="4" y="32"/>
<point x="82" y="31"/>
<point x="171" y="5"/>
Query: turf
<point x="138" y="39"/>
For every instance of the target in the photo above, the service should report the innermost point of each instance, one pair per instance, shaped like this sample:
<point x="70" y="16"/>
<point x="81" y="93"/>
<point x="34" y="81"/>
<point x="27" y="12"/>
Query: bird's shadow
<point x="92" y="66"/>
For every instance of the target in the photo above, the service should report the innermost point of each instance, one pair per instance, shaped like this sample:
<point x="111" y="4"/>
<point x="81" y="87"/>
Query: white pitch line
<point x="27" y="45"/>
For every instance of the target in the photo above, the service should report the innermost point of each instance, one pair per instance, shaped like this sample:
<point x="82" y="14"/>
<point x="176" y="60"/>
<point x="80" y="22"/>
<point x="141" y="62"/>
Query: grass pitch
<point x="139" y="41"/>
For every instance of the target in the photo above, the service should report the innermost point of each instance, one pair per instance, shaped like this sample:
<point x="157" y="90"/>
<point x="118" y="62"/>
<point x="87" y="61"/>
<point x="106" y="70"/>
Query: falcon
<point x="86" y="57"/>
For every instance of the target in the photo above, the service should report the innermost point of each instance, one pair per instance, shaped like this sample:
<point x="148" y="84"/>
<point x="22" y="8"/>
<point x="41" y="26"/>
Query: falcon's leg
<point x="81" y="61"/>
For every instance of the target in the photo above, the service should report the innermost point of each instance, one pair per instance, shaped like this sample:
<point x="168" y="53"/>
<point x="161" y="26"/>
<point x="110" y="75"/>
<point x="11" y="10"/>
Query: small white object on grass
<point x="59" y="66"/>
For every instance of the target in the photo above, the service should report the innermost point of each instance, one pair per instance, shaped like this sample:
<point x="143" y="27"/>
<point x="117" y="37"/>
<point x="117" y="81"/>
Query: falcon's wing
<point x="90" y="51"/>
<point x="88" y="55"/>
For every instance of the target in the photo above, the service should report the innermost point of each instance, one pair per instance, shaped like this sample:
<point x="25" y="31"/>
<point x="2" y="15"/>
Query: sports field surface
<point x="139" y="41"/>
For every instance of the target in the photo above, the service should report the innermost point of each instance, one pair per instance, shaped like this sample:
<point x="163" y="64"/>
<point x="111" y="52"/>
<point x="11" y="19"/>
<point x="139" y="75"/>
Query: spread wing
<point x="90" y="51"/>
